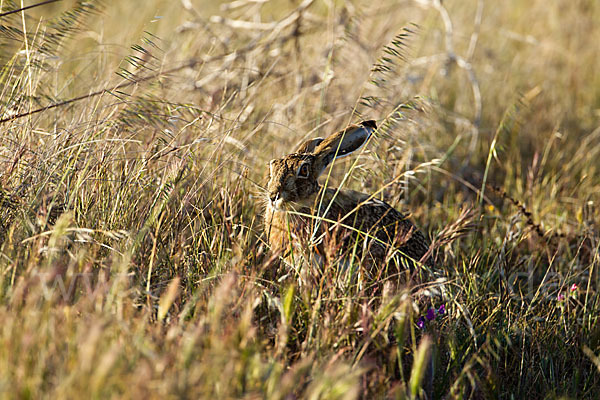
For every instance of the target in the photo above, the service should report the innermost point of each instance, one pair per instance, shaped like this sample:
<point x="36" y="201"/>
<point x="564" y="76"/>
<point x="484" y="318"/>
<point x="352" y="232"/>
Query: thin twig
<point x="4" y="14"/>
<point x="189" y="64"/>
<point x="476" y="28"/>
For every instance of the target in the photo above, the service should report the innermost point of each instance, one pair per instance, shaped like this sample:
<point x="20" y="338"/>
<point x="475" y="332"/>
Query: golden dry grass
<point x="132" y="257"/>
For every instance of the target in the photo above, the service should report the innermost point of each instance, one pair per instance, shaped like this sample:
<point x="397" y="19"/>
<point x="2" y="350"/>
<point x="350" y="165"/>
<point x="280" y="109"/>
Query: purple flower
<point x="442" y="310"/>
<point x="430" y="314"/>
<point x="574" y="287"/>
<point x="421" y="323"/>
<point x="560" y="297"/>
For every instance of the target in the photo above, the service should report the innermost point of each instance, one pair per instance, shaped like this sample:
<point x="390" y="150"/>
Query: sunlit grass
<point x="133" y="261"/>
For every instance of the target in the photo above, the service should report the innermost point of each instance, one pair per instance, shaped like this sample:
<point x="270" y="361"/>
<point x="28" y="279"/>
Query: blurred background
<point x="134" y="140"/>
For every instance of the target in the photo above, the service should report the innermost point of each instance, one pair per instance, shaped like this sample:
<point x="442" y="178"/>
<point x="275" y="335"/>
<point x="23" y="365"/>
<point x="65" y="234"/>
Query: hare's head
<point x="293" y="178"/>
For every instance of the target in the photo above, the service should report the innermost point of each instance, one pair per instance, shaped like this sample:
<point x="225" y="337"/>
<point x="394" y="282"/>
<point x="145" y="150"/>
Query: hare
<point x="299" y="212"/>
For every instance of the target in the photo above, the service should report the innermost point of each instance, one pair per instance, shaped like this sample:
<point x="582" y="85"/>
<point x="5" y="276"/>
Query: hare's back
<point x="377" y="219"/>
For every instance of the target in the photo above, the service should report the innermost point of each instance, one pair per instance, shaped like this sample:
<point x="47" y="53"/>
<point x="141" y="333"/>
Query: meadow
<point x="135" y="139"/>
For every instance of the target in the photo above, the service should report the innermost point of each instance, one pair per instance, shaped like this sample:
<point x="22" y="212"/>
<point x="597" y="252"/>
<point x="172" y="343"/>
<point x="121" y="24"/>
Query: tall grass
<point x="133" y="150"/>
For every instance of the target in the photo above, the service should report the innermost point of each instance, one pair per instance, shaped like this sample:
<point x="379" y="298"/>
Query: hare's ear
<point x="308" y="146"/>
<point x="342" y="143"/>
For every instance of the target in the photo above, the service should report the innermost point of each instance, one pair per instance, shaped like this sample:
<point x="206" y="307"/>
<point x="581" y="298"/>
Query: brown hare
<point x="301" y="214"/>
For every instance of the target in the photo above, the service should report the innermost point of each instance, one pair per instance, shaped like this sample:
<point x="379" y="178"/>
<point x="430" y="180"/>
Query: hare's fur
<point x="300" y="213"/>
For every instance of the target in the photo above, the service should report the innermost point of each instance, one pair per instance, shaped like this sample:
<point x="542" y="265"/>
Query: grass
<point x="133" y="260"/>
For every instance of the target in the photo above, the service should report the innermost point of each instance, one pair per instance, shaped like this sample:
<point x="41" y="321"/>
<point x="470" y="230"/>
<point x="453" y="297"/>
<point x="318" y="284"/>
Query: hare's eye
<point x="303" y="171"/>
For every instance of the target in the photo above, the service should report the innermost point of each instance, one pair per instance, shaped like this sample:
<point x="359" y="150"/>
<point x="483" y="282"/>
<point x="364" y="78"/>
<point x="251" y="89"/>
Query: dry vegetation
<point x="132" y="258"/>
